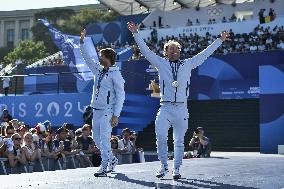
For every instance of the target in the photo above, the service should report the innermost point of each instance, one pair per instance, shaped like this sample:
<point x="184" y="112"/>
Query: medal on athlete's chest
<point x="175" y="84"/>
<point x="175" y="68"/>
<point x="100" y="79"/>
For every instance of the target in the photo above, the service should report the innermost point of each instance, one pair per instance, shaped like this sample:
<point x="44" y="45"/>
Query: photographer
<point x="6" y="117"/>
<point x="201" y="144"/>
<point x="86" y="145"/>
<point x="88" y="116"/>
<point x="16" y="155"/>
<point x="127" y="144"/>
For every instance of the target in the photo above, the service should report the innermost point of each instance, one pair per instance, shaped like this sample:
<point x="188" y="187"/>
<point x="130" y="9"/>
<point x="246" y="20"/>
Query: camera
<point x="196" y="131"/>
<point x="9" y="143"/>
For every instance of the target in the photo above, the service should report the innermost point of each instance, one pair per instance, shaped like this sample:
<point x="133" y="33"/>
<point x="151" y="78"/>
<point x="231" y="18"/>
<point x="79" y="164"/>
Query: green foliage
<point x="3" y="52"/>
<point x="28" y="52"/>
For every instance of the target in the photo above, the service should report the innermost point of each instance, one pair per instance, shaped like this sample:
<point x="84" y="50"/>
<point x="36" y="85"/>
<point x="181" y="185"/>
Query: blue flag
<point x="70" y="47"/>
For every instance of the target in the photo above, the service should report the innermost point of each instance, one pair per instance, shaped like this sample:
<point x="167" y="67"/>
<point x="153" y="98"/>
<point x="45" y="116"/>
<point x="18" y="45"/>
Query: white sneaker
<point x="176" y="174"/>
<point x="162" y="171"/>
<point x="101" y="172"/>
<point x="112" y="164"/>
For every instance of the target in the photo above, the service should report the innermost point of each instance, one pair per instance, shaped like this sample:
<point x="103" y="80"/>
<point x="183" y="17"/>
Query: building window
<point x="10" y="37"/>
<point x="25" y="34"/>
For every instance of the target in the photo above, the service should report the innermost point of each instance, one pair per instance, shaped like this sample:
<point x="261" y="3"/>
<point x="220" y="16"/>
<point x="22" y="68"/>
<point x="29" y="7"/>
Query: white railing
<point x="214" y="29"/>
<point x="40" y="62"/>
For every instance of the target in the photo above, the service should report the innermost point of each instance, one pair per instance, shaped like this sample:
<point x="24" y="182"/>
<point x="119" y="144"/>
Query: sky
<point x="8" y="5"/>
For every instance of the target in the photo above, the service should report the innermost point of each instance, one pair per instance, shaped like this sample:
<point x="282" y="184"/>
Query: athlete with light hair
<point x="174" y="80"/>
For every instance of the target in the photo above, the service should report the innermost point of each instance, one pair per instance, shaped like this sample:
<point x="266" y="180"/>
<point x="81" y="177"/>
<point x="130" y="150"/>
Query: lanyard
<point x="101" y="76"/>
<point x="175" y="67"/>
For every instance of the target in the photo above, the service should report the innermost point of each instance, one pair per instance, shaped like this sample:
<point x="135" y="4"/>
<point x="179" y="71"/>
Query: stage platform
<point x="222" y="171"/>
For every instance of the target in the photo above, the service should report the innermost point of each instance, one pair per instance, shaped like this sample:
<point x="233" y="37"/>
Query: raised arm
<point x="150" y="55"/>
<point x="198" y="59"/>
<point x="89" y="59"/>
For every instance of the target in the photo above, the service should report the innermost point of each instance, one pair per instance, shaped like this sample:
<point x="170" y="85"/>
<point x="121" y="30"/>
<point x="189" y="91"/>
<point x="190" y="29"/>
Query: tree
<point x="3" y="52"/>
<point x="87" y="16"/>
<point x="27" y="51"/>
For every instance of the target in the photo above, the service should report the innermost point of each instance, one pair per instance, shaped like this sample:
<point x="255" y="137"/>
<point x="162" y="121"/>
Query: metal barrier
<point x="49" y="83"/>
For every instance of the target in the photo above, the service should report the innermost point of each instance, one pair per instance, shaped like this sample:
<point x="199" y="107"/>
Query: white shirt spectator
<point x="6" y="82"/>
<point x="122" y="144"/>
<point x="260" y="32"/>
<point x="253" y="48"/>
<point x="281" y="45"/>
<point x="261" y="47"/>
<point x="269" y="40"/>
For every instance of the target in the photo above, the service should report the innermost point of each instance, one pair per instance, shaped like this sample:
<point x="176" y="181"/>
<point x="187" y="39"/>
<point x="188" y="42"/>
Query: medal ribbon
<point x="101" y="76"/>
<point x="175" y="67"/>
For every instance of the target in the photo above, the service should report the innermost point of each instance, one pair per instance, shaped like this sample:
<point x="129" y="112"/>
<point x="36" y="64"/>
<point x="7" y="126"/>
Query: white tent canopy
<point x="130" y="7"/>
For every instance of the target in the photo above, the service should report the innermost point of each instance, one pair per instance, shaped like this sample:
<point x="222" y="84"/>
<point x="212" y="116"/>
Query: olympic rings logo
<point x="215" y="11"/>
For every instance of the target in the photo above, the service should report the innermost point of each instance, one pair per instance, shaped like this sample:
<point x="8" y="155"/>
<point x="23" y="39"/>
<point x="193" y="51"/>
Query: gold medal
<point x="175" y="84"/>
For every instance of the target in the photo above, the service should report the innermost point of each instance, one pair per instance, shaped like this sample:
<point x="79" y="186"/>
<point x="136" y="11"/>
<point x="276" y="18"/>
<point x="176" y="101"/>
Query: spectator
<point x="86" y="145"/>
<point x="9" y="131"/>
<point x="88" y="116"/>
<point x="31" y="151"/>
<point x="224" y="20"/>
<point x="142" y="26"/>
<point x="253" y="47"/>
<point x="160" y="21"/>
<point x="271" y="14"/>
<point x="48" y="147"/>
<point x="197" y="22"/>
<point x="70" y="134"/>
<point x="136" y="53"/>
<point x="125" y="144"/>
<point x="114" y="145"/>
<point x="78" y="132"/>
<point x="65" y="146"/>
<point x="6" y="117"/>
<point x="233" y="18"/>
<point x="280" y="45"/>
<point x="6" y="83"/>
<point x="201" y="145"/>
<point x="261" y="16"/>
<point x="22" y="131"/>
<point x="16" y="156"/>
<point x="15" y="123"/>
<point x="154" y="36"/>
<point x="154" y="24"/>
<point x="189" y="22"/>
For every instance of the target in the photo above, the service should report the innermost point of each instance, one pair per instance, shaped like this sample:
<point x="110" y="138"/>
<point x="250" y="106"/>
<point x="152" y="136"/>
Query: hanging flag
<point x="70" y="47"/>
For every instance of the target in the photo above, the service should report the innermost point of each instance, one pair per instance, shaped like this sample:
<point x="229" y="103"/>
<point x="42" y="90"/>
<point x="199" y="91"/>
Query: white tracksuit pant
<point x="102" y="133"/>
<point x="175" y="115"/>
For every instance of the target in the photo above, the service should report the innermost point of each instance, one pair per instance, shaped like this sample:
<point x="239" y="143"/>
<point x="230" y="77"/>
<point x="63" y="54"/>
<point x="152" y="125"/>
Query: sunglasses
<point x="17" y="138"/>
<point x="10" y="133"/>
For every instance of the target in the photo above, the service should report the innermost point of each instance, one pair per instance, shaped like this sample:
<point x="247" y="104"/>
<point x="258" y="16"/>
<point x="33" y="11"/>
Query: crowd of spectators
<point x="233" y="18"/>
<point x="25" y="148"/>
<point x="263" y="18"/>
<point x="53" y="60"/>
<point x="260" y="39"/>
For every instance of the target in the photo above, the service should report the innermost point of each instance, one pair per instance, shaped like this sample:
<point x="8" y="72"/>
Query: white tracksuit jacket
<point x="173" y="111"/>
